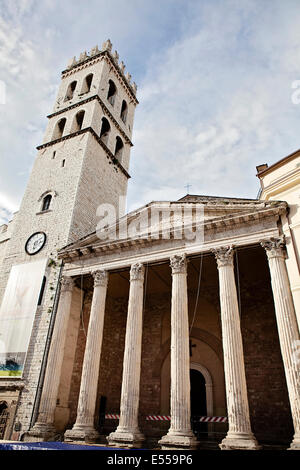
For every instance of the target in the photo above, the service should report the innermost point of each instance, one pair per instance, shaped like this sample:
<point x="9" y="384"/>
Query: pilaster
<point x="44" y="428"/>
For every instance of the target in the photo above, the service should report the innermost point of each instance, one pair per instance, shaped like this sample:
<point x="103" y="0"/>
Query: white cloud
<point x="217" y="102"/>
<point x="214" y="85"/>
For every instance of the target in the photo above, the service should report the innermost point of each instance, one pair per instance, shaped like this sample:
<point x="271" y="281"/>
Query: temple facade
<point x="177" y="326"/>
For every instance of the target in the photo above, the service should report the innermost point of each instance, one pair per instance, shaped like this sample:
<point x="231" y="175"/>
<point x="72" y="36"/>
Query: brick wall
<point x="267" y="391"/>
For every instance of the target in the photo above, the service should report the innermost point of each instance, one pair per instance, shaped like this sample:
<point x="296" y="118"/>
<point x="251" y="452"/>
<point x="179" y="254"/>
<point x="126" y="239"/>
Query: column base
<point x="40" y="433"/>
<point x="126" y="438"/>
<point x="177" y="440"/>
<point x="81" y="434"/>
<point x="239" y="442"/>
<point x="295" y="445"/>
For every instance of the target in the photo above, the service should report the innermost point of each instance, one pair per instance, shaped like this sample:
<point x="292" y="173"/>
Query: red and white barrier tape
<point x="203" y="419"/>
<point x="213" y="419"/>
<point x="158" y="418"/>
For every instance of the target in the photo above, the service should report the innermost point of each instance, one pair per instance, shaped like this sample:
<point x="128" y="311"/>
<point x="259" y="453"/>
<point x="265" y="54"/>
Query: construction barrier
<point x="202" y="419"/>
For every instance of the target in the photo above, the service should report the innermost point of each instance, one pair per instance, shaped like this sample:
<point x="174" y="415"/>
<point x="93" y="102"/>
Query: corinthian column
<point x="83" y="429"/>
<point x="44" y="427"/>
<point x="239" y="434"/>
<point x="180" y="434"/>
<point x="287" y="327"/>
<point x="127" y="433"/>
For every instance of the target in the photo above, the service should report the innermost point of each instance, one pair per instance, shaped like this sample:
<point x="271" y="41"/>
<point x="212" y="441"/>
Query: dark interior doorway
<point x="198" y="403"/>
<point x="102" y="411"/>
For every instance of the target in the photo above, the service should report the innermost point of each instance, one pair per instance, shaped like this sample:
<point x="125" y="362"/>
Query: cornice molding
<point x="93" y="249"/>
<point x="103" y="106"/>
<point x="90" y="130"/>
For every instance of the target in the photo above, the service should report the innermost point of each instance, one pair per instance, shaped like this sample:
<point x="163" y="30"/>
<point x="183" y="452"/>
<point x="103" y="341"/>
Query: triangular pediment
<point x="167" y="219"/>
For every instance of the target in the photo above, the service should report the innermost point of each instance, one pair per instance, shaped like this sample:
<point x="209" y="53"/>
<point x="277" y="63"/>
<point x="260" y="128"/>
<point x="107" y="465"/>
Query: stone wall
<point x="267" y="391"/>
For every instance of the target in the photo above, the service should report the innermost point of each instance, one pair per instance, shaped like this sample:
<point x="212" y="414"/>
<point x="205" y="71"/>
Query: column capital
<point x="66" y="284"/>
<point x="178" y="264"/>
<point x="275" y="247"/>
<point x="137" y="271"/>
<point x="100" y="277"/>
<point x="224" y="255"/>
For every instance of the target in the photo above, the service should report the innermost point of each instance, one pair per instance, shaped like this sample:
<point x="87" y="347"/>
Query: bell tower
<point x="82" y="163"/>
<point x="87" y="142"/>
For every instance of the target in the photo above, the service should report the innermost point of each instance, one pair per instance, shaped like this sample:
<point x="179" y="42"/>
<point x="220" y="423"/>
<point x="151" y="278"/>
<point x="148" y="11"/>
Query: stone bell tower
<point x="88" y="137"/>
<point x="82" y="163"/>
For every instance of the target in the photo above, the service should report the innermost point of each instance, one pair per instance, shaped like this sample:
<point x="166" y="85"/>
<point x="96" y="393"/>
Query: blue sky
<point x="214" y="85"/>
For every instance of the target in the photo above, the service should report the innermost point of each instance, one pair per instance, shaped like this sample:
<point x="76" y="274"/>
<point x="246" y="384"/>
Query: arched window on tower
<point x="46" y="202"/>
<point x="105" y="130"/>
<point x="78" y="121"/>
<point x="59" y="129"/>
<point x="112" y="91"/>
<point x="70" y="91"/>
<point x="124" y="110"/>
<point x="119" y="148"/>
<point x="87" y="83"/>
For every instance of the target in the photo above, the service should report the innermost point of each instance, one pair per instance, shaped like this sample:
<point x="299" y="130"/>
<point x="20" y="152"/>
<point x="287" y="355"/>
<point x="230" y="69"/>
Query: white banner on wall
<point x="17" y="315"/>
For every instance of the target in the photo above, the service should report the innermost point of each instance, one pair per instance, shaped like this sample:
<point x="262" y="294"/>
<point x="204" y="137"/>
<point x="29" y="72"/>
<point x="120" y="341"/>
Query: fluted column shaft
<point x="239" y="434"/>
<point x="84" y="427"/>
<point x="128" y="433"/>
<point x="287" y="327"/>
<point x="180" y="434"/>
<point x="44" y="424"/>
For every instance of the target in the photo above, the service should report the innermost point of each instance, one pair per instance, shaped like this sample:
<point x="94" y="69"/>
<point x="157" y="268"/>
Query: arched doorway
<point x="198" y="403"/>
<point x="201" y="398"/>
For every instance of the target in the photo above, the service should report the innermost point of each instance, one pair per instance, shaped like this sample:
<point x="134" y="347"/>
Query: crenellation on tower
<point x="95" y="53"/>
<point x="107" y="46"/>
<point x="95" y="97"/>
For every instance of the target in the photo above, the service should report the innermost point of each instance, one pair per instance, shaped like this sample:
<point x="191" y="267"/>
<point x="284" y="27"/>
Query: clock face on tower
<point x="35" y="243"/>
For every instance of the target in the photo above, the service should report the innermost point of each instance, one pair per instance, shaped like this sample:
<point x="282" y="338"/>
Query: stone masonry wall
<point x="267" y="391"/>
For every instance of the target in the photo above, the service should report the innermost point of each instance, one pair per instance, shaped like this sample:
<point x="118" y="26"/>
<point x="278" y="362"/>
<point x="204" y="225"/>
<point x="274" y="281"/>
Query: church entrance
<point x="198" y="403"/>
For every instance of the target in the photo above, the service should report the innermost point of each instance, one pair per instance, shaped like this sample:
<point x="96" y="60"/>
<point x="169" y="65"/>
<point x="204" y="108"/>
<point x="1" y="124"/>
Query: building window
<point x="119" y="148"/>
<point x="105" y="130"/>
<point x="59" y="129"/>
<point x="124" y="110"/>
<point x="70" y="91"/>
<point x="42" y="291"/>
<point x="87" y="83"/>
<point x="63" y="163"/>
<point x="46" y="202"/>
<point x="112" y="91"/>
<point x="78" y="121"/>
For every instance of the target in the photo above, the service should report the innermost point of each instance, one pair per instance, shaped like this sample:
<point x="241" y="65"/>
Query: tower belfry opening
<point x="105" y="130"/>
<point x="112" y="91"/>
<point x="70" y="91"/>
